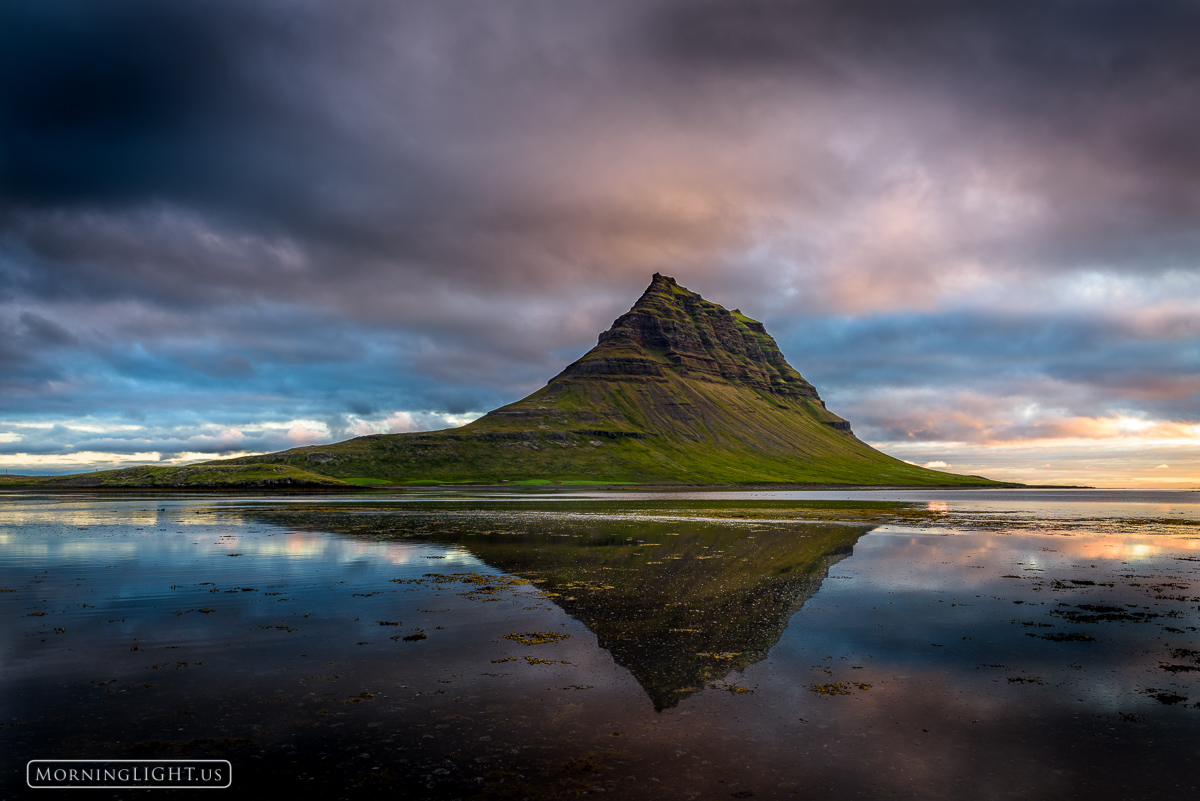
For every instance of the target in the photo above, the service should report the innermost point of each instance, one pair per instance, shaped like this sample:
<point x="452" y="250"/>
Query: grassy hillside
<point x="218" y="475"/>
<point x="661" y="432"/>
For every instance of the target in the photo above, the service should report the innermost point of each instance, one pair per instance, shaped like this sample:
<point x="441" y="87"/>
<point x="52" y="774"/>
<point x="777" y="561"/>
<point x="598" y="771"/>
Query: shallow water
<point x="999" y="644"/>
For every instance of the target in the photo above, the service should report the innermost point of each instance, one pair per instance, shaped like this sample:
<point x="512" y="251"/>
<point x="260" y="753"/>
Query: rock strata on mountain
<point x="670" y="328"/>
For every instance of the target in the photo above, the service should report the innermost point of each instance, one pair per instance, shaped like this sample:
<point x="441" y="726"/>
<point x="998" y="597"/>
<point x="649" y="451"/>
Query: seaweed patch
<point x="536" y="637"/>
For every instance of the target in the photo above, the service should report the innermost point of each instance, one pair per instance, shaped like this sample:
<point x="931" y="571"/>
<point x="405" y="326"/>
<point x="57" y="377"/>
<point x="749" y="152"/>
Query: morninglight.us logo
<point x="129" y="774"/>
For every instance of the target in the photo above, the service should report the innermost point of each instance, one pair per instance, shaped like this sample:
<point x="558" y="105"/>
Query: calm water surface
<point x="990" y="644"/>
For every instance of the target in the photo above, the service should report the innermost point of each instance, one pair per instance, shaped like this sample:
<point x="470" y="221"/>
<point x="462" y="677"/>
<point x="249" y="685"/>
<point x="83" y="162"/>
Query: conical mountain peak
<point x="673" y="329"/>
<point x="680" y="390"/>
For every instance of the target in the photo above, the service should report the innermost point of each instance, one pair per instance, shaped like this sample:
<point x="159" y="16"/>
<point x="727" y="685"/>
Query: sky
<point x="236" y="226"/>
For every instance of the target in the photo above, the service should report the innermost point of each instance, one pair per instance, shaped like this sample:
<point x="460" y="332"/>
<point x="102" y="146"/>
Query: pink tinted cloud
<point x="299" y="434"/>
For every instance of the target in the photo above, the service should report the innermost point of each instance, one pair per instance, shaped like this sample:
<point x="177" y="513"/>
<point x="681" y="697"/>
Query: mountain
<point x="679" y="390"/>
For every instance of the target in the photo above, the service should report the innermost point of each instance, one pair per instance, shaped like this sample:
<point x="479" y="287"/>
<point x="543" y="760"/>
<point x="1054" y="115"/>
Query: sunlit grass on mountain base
<point x="745" y="437"/>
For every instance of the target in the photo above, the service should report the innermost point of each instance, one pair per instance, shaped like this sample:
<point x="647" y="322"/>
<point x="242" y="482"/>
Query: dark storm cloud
<point x="209" y="104"/>
<point x="362" y="135"/>
<point x="28" y="343"/>
<point x="131" y="102"/>
<point x="213" y="213"/>
<point x="185" y="152"/>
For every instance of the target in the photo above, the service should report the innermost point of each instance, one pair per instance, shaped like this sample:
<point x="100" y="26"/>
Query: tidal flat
<point x="684" y="645"/>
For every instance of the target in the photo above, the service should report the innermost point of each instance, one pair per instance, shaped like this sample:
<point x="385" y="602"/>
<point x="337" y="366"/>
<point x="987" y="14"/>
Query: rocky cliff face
<point x="673" y="329"/>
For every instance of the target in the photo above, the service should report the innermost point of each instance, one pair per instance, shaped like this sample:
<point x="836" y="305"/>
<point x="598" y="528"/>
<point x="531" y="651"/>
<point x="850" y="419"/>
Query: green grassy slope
<point x="674" y="432"/>
<point x="218" y="475"/>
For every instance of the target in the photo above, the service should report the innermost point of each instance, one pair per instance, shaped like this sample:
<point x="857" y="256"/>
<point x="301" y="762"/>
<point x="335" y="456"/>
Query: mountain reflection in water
<point x="678" y="603"/>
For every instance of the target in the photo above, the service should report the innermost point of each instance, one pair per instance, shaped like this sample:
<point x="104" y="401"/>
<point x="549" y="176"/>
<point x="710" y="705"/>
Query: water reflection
<point x="656" y="651"/>
<point x="678" y="605"/>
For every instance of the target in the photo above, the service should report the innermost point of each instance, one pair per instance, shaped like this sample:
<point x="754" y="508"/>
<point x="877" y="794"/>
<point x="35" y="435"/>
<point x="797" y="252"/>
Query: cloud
<point x="964" y="222"/>
<point x="1103" y="463"/>
<point x="301" y="434"/>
